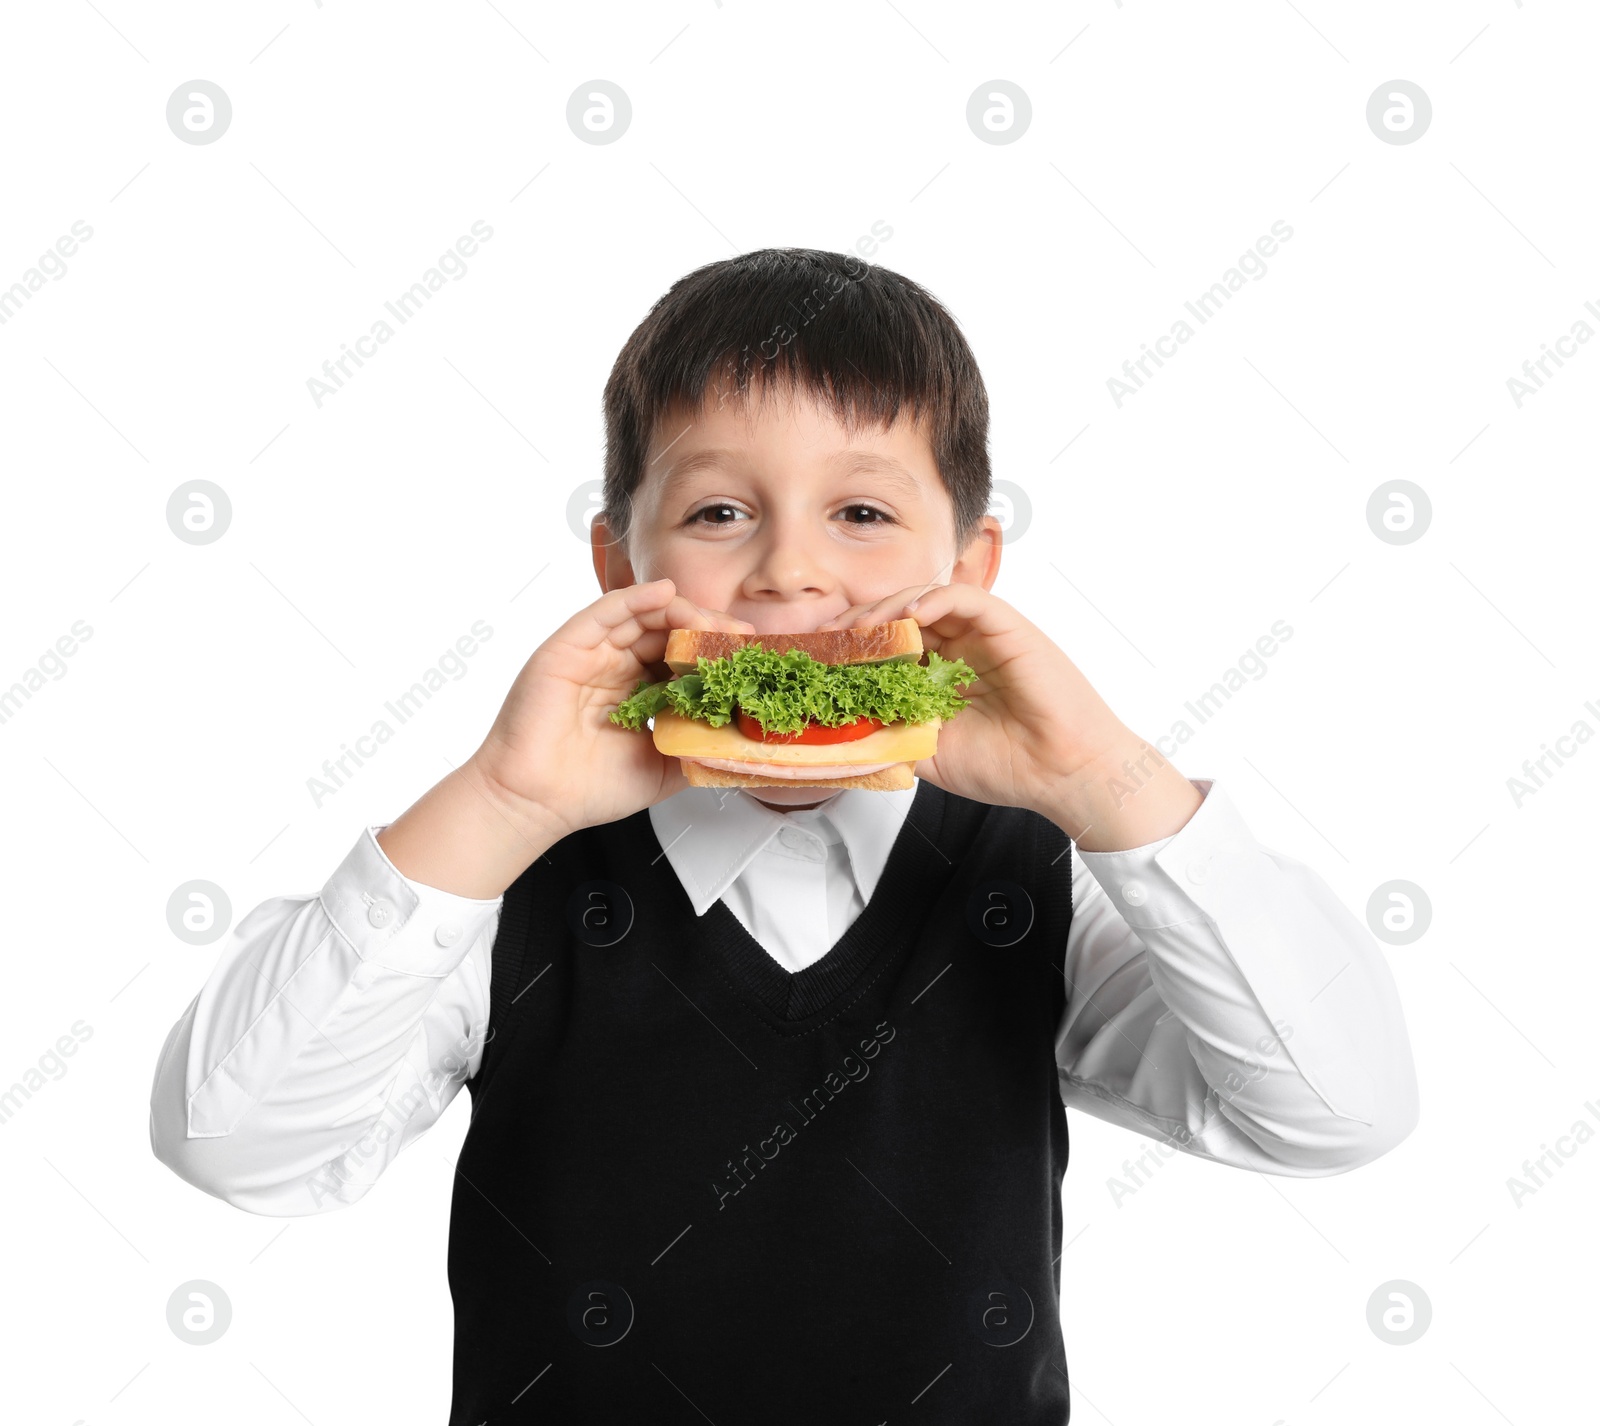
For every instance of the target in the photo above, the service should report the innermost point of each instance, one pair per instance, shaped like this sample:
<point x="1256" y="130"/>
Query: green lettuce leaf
<point x="783" y="692"/>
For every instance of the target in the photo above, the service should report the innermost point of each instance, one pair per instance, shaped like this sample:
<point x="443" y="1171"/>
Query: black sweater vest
<point x="698" y="1187"/>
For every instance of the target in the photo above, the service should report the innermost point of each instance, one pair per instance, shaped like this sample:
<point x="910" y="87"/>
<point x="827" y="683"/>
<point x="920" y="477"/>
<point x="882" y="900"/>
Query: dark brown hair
<point x="858" y="338"/>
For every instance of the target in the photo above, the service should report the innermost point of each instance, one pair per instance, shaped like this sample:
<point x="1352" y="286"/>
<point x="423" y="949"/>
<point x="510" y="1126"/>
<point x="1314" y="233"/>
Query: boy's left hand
<point x="1035" y="733"/>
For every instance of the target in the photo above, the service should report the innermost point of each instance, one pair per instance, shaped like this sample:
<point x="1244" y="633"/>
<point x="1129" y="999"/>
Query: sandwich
<point x="836" y="708"/>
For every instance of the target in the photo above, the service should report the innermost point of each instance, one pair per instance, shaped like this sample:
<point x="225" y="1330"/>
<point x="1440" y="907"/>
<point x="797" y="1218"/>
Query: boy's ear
<point x="611" y="564"/>
<point x="979" y="563"/>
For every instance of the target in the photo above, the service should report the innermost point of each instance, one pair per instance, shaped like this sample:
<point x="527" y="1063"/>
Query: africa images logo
<point x="742" y="1173"/>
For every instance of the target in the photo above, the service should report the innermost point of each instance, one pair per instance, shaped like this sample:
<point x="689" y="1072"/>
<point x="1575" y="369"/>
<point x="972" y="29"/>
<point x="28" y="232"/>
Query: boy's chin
<point x="786" y="798"/>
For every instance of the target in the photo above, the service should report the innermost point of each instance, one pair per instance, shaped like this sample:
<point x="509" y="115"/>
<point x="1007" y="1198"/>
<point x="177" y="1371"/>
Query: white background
<point x="1230" y="492"/>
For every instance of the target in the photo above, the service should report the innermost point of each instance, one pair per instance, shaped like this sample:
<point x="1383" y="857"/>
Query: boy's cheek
<point x="692" y="585"/>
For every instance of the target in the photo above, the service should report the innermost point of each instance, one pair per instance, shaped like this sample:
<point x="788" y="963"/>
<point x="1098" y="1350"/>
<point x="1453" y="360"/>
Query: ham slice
<point x="792" y="772"/>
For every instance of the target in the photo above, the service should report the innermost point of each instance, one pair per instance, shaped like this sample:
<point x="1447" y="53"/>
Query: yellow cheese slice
<point x="680" y="737"/>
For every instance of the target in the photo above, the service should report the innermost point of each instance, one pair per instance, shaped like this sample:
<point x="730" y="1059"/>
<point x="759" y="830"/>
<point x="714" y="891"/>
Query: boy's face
<point x="777" y="514"/>
<point x="780" y="516"/>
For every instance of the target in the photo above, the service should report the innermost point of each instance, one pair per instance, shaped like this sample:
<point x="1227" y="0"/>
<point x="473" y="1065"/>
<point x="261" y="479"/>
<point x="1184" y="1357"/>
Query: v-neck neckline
<point x="796" y="997"/>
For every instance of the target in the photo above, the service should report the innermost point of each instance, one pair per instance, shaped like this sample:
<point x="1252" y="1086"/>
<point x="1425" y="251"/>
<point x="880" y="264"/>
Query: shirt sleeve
<point x="1222" y="999"/>
<point x="333" y="1030"/>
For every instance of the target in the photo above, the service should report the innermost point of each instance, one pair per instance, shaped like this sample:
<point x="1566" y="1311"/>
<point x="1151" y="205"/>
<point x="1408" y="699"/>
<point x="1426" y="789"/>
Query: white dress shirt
<point x="1220" y="998"/>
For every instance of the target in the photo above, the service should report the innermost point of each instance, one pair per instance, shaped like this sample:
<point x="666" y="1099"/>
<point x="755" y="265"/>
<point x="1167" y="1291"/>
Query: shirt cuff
<point x="398" y="923"/>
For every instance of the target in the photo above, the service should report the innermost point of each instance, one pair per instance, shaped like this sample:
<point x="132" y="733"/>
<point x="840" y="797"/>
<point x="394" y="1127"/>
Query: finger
<point x="881" y="611"/>
<point x="619" y="617"/>
<point x="684" y="613"/>
<point x="843" y="620"/>
<point x="718" y="619"/>
<point x="637" y="617"/>
<point x="673" y="780"/>
<point x="650" y="651"/>
<point x="858" y="615"/>
<point x="953" y="609"/>
<point x="681" y="613"/>
<point x="656" y="625"/>
<point x="659" y="605"/>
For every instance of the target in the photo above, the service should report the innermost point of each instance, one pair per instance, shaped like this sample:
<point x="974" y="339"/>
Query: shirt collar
<point x="711" y="834"/>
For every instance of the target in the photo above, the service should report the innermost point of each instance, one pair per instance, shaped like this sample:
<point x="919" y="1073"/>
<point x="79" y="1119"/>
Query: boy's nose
<point x="790" y="588"/>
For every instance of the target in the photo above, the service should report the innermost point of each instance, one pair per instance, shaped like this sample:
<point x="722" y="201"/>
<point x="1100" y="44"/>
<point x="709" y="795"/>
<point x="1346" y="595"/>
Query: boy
<point x="768" y="1084"/>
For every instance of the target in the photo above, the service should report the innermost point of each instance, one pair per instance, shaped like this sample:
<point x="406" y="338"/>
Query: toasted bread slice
<point x="875" y="643"/>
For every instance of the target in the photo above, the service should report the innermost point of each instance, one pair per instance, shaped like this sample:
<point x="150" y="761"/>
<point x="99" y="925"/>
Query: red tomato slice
<point x="812" y="733"/>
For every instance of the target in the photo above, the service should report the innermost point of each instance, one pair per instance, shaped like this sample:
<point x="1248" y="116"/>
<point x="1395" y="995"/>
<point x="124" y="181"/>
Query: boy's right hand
<point x="553" y="750"/>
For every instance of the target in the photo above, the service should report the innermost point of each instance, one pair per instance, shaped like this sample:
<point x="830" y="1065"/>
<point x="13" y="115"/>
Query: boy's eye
<point x="875" y="515"/>
<point x="708" y="509"/>
<point x="883" y="517"/>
